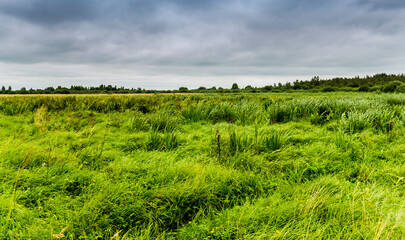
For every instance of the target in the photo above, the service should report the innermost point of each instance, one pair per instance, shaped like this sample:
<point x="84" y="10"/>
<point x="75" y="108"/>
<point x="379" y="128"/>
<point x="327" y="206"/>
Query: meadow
<point x="206" y="166"/>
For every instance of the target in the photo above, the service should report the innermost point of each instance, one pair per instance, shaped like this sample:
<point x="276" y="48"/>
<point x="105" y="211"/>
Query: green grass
<point x="232" y="166"/>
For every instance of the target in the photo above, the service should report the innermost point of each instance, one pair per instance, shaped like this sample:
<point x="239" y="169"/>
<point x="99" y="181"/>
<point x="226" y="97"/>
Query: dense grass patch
<point x="236" y="166"/>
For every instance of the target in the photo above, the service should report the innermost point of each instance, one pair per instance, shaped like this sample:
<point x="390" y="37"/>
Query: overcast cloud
<point x="165" y="44"/>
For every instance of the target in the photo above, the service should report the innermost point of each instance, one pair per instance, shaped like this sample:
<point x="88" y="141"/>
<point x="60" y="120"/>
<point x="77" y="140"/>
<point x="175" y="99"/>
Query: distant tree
<point x="305" y="87"/>
<point x="9" y="88"/>
<point x="235" y="86"/>
<point x="248" y="87"/>
<point x="315" y="81"/>
<point x="77" y="88"/>
<point x="202" y="88"/>
<point x="183" y="89"/>
<point x="62" y="90"/>
<point x="268" y="87"/>
<point x="3" y="89"/>
<point x="296" y="86"/>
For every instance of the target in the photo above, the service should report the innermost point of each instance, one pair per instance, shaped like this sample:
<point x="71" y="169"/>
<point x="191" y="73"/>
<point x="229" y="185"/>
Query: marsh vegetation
<point x="235" y="166"/>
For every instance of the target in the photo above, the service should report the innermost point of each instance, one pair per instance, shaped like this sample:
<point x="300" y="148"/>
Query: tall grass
<point x="238" y="142"/>
<point x="272" y="142"/>
<point x="355" y="121"/>
<point x="343" y="141"/>
<point x="157" y="141"/>
<point x="202" y="167"/>
<point x="384" y="120"/>
<point x="162" y="121"/>
<point x="255" y="141"/>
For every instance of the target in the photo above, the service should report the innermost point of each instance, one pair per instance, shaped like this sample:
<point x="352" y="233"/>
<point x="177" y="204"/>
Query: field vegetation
<point x="208" y="166"/>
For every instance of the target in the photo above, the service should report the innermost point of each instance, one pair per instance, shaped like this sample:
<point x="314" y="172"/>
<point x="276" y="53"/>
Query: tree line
<point x="377" y="83"/>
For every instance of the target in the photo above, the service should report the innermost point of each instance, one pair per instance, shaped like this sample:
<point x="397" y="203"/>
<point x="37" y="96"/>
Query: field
<point x="209" y="166"/>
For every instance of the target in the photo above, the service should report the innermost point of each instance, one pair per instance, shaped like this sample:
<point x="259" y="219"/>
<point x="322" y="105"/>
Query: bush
<point x="400" y="88"/>
<point x="328" y="89"/>
<point x="374" y="88"/>
<point x="364" y="89"/>
<point x="391" y="86"/>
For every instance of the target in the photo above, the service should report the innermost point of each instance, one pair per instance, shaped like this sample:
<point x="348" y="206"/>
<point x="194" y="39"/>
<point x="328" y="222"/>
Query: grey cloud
<point x="202" y="38"/>
<point x="383" y="4"/>
<point x="49" y="12"/>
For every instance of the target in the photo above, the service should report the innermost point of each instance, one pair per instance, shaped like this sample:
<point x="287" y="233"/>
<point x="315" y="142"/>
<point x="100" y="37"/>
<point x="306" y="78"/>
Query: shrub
<point x="400" y="88"/>
<point x="328" y="89"/>
<point x="374" y="89"/>
<point x="364" y="89"/>
<point x="391" y="86"/>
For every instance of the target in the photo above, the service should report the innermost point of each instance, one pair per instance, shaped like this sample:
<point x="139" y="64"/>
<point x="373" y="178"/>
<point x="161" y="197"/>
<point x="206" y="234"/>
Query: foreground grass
<point x="203" y="167"/>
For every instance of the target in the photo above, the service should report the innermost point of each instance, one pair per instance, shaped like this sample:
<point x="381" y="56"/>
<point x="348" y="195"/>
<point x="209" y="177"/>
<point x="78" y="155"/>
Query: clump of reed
<point x="236" y="142"/>
<point x="166" y="141"/>
<point x="355" y="121"/>
<point x="342" y="141"/>
<point x="161" y="121"/>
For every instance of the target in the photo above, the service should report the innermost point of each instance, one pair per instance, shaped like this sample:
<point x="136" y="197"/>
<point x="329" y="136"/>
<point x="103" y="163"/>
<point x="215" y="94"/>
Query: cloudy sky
<point x="165" y="44"/>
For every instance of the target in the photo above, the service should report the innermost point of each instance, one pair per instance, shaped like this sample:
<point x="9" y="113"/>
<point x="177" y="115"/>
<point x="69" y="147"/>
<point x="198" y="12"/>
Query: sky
<point x="167" y="44"/>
